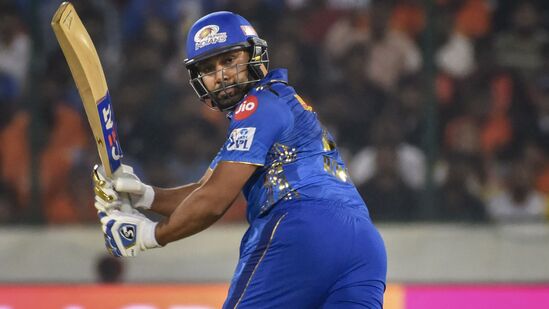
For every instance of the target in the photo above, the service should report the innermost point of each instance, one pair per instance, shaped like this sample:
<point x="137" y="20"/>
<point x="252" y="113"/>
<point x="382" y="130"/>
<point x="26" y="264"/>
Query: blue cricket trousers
<point x="310" y="254"/>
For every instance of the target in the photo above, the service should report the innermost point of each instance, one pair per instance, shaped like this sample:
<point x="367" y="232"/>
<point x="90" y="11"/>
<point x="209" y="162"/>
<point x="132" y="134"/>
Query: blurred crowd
<point x="447" y="103"/>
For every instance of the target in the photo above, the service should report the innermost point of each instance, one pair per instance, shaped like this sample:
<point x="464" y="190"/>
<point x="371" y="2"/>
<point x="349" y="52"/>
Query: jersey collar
<point x="273" y="76"/>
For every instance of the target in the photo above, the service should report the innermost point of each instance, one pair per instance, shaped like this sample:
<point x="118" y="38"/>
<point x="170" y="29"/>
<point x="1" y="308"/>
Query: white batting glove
<point x="127" y="234"/>
<point x="125" y="181"/>
<point x="141" y="195"/>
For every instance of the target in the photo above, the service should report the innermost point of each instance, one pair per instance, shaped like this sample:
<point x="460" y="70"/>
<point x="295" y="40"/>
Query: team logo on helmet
<point x="208" y="35"/>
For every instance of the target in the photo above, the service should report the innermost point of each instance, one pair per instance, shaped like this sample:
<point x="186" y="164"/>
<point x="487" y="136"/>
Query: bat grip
<point x="125" y="197"/>
<point x="126" y="205"/>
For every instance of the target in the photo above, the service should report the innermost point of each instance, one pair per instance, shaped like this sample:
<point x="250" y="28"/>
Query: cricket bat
<point x="88" y="75"/>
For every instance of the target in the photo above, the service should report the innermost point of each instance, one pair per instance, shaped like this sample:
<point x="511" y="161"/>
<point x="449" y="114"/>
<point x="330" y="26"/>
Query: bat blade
<point x="89" y="77"/>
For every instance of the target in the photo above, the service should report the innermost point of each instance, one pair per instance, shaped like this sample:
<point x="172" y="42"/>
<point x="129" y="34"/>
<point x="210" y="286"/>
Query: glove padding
<point x="141" y="195"/>
<point x="123" y="181"/>
<point x="127" y="234"/>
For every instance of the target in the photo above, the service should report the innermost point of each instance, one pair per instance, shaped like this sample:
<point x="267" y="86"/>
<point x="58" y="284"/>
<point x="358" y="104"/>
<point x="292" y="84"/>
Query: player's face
<point x="224" y="74"/>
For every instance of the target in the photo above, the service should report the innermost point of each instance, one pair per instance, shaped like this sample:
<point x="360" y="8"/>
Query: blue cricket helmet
<point x="217" y="33"/>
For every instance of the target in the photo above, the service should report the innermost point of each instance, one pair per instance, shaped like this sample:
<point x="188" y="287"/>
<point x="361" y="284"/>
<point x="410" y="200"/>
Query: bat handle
<point x="125" y="197"/>
<point x="126" y="205"/>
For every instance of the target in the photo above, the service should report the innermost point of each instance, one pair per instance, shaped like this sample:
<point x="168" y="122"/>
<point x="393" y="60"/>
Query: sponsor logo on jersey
<point x="108" y="126"/>
<point x="208" y="35"/>
<point x="246" y="108"/>
<point x="241" y="139"/>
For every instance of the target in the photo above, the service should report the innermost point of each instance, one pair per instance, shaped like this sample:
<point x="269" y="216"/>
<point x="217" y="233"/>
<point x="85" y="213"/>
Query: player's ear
<point x="247" y="55"/>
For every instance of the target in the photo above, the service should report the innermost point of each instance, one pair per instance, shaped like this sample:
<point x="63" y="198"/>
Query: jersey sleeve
<point x="215" y="160"/>
<point x="257" y="123"/>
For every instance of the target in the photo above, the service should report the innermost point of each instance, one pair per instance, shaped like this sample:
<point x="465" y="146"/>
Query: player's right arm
<point x="167" y="200"/>
<point x="159" y="200"/>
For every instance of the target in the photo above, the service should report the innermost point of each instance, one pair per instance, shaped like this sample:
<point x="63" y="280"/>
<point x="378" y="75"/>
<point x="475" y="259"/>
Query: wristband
<point x="149" y="236"/>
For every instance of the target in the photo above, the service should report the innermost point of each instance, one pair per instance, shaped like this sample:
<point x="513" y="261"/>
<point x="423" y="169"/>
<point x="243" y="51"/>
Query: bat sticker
<point x="108" y="125"/>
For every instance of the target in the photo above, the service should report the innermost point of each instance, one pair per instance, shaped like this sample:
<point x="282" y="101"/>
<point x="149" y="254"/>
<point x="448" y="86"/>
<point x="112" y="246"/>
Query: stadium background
<point x="440" y="108"/>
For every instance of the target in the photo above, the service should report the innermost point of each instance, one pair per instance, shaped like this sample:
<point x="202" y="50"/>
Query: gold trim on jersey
<point x="332" y="167"/>
<point x="248" y="163"/>
<point x="276" y="183"/>
<point x="327" y="143"/>
<point x="304" y="104"/>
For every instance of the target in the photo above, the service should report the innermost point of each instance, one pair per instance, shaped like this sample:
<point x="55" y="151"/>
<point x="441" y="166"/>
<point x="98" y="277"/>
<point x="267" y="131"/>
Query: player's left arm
<point x="206" y="204"/>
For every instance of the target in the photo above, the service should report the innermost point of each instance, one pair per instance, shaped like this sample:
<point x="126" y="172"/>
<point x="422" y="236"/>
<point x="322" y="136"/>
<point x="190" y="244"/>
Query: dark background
<point x="440" y="108"/>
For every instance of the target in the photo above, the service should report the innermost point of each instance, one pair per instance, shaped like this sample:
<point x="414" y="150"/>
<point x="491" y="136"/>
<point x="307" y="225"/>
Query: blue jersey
<point x="273" y="128"/>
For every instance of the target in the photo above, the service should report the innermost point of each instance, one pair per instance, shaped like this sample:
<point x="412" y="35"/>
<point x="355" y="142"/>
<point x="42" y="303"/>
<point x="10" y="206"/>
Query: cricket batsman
<point x="310" y="242"/>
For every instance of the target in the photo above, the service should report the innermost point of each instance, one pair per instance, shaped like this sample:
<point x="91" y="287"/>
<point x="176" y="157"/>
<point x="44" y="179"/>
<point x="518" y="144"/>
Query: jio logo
<point x="246" y="108"/>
